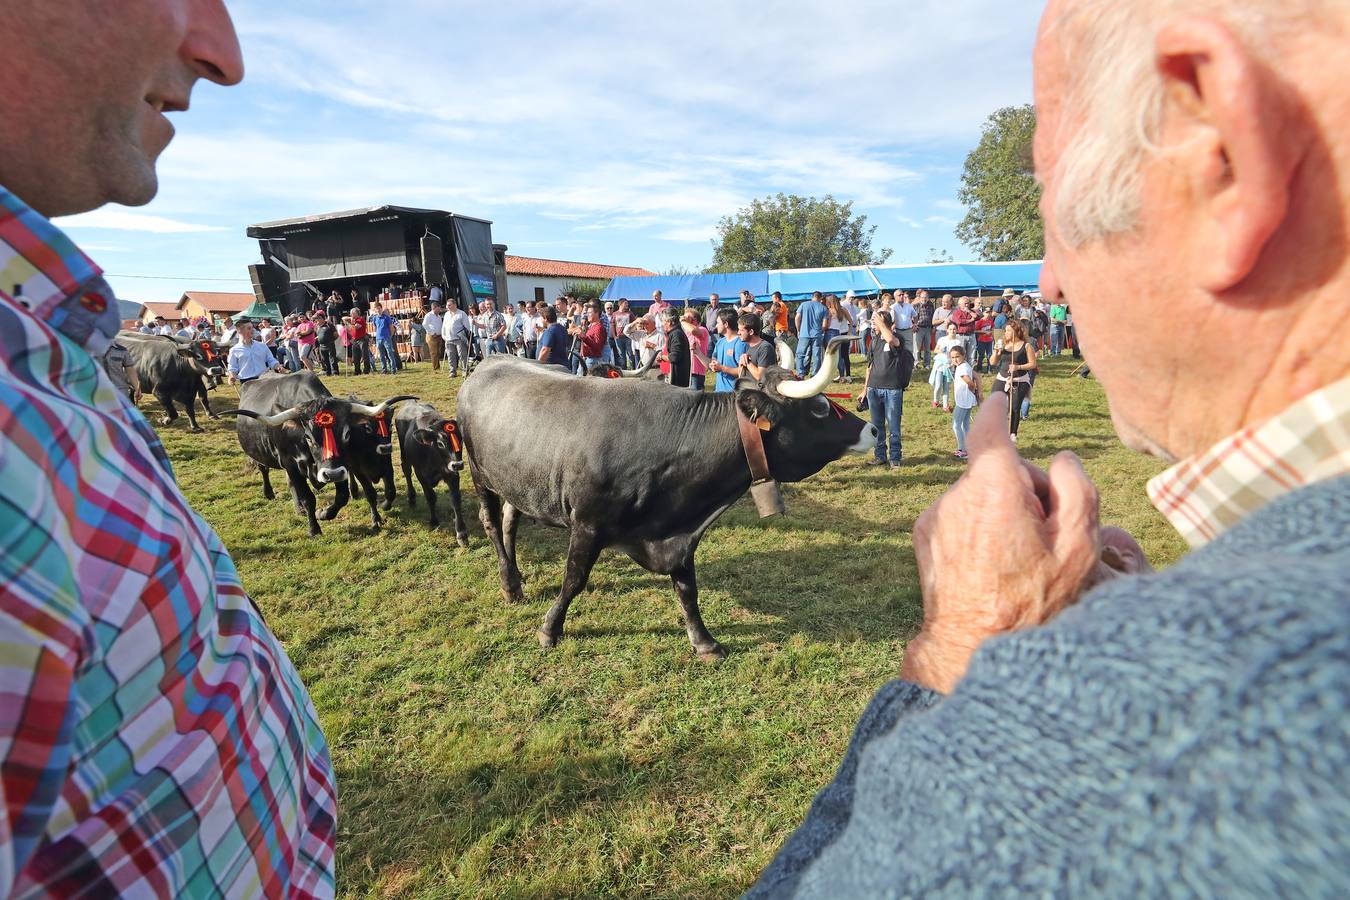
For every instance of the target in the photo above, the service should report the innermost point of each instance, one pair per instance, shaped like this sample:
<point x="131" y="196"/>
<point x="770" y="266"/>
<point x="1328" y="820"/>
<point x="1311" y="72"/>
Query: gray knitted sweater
<point x="1180" y="734"/>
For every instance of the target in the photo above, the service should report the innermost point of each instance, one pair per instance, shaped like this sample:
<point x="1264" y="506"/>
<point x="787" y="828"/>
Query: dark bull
<point x="430" y="445"/>
<point x="635" y="465"/>
<point x="292" y="422"/>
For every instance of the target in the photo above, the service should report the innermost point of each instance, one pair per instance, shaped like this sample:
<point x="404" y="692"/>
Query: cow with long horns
<point x="430" y="445"/>
<point x="293" y="423"/>
<point x="174" y="371"/>
<point x="544" y="445"/>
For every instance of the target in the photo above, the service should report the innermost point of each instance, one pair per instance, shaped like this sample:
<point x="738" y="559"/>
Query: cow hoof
<point x="315" y="532"/>
<point x="195" y="430"/>
<point x="712" y="654"/>
<point x="327" y="514"/>
<point x="387" y="505"/>
<point x="462" y="540"/>
<point x="165" y="420"/>
<point x="212" y="416"/>
<point x="547" y="640"/>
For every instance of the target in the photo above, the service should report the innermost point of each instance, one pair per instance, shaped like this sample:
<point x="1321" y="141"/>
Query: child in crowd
<point x="941" y="377"/>
<point x="965" y="398"/>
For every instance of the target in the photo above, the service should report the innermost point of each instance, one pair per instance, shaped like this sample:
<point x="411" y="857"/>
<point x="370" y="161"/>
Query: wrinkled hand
<point x="1008" y="547"/>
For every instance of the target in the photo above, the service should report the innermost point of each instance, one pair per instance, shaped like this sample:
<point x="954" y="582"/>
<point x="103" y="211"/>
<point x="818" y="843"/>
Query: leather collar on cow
<point x="768" y="498"/>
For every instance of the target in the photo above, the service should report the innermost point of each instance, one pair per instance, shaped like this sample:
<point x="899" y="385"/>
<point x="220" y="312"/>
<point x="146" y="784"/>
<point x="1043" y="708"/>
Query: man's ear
<point x="756" y="404"/>
<point x="1229" y="121"/>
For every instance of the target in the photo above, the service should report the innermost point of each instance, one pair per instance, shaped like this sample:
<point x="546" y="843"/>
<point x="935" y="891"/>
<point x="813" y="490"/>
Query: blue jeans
<point x="810" y="350"/>
<point x="942" y="385"/>
<point x="625" y="348"/>
<point x="961" y="425"/>
<point x="1056" y="338"/>
<point x="886" y="405"/>
<point x="388" y="356"/>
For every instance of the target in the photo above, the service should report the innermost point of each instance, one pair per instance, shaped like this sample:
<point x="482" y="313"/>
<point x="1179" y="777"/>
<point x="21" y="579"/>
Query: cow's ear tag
<point x="763" y="424"/>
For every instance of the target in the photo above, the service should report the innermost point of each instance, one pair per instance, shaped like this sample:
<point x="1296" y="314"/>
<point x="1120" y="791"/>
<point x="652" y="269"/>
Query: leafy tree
<point x="680" y="269"/>
<point x="791" y="232"/>
<point x="586" y="289"/>
<point x="1000" y="191"/>
<point x="939" y="256"/>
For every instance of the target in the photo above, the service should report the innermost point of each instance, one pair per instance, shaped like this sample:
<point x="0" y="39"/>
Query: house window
<point x="539" y="295"/>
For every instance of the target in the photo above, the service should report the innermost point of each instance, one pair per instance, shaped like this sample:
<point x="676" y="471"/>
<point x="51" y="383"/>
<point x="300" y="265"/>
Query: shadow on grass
<point x="395" y="818"/>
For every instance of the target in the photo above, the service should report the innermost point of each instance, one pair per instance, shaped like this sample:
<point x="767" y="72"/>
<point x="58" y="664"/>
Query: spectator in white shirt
<point x="458" y="331"/>
<point x="249" y="359"/>
<point x="529" y="330"/>
<point x="902" y="314"/>
<point x="433" y="322"/>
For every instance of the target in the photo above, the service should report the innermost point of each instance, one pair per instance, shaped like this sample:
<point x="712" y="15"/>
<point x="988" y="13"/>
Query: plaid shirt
<point x="1307" y="443"/>
<point x="154" y="738"/>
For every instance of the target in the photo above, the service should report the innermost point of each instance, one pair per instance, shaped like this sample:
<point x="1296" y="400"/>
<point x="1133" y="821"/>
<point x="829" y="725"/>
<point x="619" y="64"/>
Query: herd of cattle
<point x="622" y="462"/>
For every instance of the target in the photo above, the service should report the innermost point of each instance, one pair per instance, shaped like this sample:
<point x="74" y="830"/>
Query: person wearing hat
<point x="1003" y="303"/>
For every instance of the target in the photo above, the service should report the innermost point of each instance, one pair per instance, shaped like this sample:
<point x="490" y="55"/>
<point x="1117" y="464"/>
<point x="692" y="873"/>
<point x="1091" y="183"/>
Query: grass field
<point x="472" y="763"/>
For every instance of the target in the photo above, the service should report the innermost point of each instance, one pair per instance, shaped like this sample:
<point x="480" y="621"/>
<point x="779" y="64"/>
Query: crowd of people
<point x="956" y="340"/>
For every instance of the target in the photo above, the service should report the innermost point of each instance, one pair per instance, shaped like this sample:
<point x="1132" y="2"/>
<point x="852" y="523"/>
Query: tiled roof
<point x="217" y="302"/>
<point x="167" y="310"/>
<point x="561" y="268"/>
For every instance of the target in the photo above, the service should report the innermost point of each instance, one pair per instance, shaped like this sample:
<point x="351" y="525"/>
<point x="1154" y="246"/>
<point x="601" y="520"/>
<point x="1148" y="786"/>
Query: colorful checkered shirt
<point x="155" y="741"/>
<point x="1309" y="442"/>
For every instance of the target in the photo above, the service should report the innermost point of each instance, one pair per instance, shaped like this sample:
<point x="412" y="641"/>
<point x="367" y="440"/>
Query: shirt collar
<point x="1207" y="494"/>
<point x="55" y="280"/>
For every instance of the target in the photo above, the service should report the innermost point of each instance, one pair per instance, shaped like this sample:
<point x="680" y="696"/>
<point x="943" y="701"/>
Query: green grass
<point x="472" y="763"/>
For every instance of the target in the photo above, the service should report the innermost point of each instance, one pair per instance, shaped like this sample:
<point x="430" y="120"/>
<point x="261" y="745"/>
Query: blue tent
<point x="960" y="276"/>
<point x="798" y="284"/>
<point x="686" y="287"/>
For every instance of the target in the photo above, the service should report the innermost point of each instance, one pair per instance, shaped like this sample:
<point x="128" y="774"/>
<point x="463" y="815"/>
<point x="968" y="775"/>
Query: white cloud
<point x="113" y="219"/>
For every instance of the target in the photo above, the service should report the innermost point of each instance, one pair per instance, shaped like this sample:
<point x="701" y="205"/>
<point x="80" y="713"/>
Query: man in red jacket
<point x="360" y="343"/>
<point x="593" y="337"/>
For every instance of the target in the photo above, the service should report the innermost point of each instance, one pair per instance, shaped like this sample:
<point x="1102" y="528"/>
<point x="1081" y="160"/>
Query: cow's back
<point x="564" y="449"/>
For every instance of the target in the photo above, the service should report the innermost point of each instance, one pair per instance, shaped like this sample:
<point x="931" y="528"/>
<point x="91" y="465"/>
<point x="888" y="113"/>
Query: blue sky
<point x="594" y="130"/>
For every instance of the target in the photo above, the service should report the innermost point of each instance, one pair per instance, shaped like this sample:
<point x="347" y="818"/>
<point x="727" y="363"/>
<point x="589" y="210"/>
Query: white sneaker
<point x="1014" y="438"/>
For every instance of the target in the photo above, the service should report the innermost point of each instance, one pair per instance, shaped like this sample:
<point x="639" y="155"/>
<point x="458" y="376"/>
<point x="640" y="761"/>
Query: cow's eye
<point x="820" y="408"/>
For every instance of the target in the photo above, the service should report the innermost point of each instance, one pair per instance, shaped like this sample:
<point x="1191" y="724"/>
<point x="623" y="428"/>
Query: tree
<point x="939" y="256"/>
<point x="791" y="232"/>
<point x="586" y="289"/>
<point x="1000" y="191"/>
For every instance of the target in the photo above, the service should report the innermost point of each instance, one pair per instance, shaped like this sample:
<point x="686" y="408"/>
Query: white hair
<point x="1114" y="102"/>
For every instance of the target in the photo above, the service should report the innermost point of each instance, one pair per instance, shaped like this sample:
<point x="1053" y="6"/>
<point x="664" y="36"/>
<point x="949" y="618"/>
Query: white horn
<point x="377" y="411"/>
<point x="816" y="385"/>
<point x="640" y="370"/>
<point x="280" y="418"/>
<point x="372" y="411"/>
<point x="785" y="355"/>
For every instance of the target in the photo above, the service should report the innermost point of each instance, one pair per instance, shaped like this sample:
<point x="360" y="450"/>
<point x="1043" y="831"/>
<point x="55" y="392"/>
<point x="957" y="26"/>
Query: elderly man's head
<point x="1194" y="153"/>
<point x="86" y="85"/>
